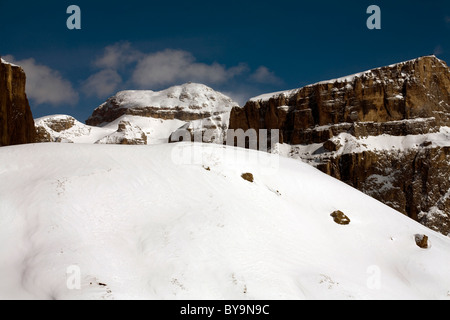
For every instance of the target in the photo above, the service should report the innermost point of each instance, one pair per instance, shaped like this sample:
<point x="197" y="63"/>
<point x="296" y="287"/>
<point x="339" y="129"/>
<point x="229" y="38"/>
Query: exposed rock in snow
<point x="422" y="241"/>
<point x="340" y="218"/>
<point x="127" y="133"/>
<point x="66" y="129"/>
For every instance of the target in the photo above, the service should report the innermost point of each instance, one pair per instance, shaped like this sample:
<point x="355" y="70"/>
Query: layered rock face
<point x="16" y="119"/>
<point x="383" y="131"/>
<point x="408" y="90"/>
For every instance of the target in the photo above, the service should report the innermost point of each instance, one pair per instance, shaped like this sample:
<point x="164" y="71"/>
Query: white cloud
<point x="117" y="56"/>
<point x="102" y="84"/>
<point x="171" y="66"/>
<point x="122" y="66"/>
<point x="438" y="50"/>
<point x="239" y="96"/>
<point x="45" y="85"/>
<point x="264" y="75"/>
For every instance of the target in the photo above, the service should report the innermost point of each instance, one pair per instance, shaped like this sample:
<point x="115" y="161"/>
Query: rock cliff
<point x="16" y="119"/>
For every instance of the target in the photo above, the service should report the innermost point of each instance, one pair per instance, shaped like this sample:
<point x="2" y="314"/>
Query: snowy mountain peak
<point x="191" y="96"/>
<point x="190" y="101"/>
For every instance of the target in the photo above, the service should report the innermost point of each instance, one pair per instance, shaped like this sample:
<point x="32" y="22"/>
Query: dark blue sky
<point x="242" y="48"/>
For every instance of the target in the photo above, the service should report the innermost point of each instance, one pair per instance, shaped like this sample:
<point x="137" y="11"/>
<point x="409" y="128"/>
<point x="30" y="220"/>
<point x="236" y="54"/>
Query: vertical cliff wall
<point x="16" y="119"/>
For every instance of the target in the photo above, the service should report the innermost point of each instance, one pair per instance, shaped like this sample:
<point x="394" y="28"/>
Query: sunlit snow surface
<point x="191" y="97"/>
<point x="177" y="221"/>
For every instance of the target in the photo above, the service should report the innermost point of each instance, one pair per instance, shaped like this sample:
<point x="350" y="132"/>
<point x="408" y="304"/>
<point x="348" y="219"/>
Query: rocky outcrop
<point x="60" y="128"/>
<point x="248" y="177"/>
<point x="340" y="218"/>
<point x="49" y="129"/>
<point x="384" y="132"/>
<point x="126" y="134"/>
<point x="422" y="241"/>
<point x="16" y="119"/>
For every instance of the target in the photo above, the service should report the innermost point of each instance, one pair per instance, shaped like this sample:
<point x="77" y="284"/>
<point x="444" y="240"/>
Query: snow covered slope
<point x="177" y="221"/>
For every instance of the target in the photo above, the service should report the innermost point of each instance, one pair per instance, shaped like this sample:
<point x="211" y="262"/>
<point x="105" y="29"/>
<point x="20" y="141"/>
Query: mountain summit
<point x="188" y="102"/>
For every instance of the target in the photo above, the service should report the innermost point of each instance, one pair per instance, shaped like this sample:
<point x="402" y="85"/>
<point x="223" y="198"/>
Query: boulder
<point x="248" y="177"/>
<point x="422" y="241"/>
<point x="340" y="218"/>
